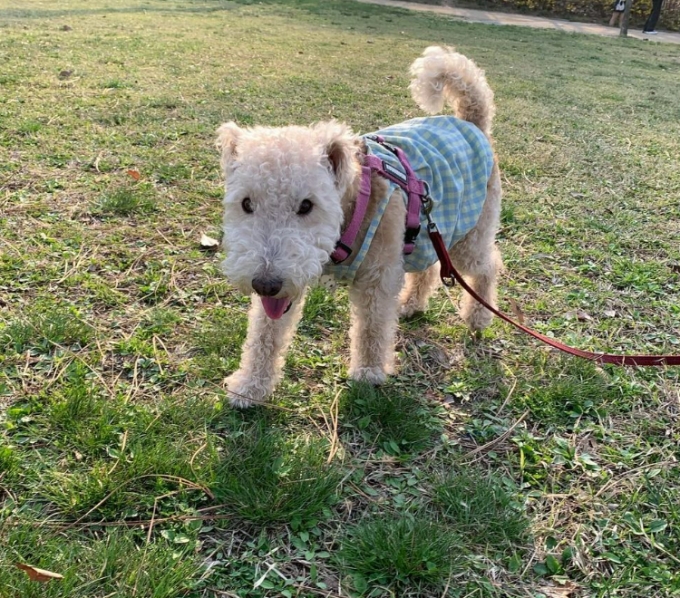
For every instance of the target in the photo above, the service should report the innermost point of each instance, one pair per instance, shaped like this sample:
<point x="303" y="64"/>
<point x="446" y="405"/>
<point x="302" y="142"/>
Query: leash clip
<point x="426" y="200"/>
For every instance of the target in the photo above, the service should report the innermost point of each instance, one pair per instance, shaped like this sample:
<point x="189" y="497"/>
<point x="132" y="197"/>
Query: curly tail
<point x="442" y="74"/>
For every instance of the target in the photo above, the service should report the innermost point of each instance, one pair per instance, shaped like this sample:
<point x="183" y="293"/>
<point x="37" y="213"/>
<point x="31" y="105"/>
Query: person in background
<point x="617" y="15"/>
<point x="650" y="24"/>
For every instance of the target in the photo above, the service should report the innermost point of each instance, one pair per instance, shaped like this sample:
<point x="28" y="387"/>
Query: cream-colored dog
<point x="291" y="190"/>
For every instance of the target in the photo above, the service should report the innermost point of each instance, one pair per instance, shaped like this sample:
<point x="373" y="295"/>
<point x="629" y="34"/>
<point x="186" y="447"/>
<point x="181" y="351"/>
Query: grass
<point x="265" y="478"/>
<point x="487" y="468"/>
<point x="407" y="552"/>
<point x="481" y="510"/>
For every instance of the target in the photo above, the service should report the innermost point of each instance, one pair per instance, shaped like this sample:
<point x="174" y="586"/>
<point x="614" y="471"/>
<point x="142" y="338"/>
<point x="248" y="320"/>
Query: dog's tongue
<point x="275" y="308"/>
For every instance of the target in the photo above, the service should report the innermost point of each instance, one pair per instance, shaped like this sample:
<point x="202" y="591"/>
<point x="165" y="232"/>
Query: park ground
<point x="489" y="467"/>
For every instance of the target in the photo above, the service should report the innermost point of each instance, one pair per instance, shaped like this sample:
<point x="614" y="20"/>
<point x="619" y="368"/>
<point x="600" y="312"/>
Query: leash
<point x="450" y="276"/>
<point x="418" y="194"/>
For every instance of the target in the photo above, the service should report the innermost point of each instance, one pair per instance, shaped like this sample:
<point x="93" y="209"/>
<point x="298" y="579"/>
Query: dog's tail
<point x="442" y="74"/>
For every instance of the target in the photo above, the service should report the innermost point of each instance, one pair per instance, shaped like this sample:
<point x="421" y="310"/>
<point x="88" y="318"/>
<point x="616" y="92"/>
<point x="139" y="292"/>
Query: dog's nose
<point x="267" y="287"/>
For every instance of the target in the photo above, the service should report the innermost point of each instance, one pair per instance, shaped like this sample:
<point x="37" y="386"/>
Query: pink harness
<point x="416" y="189"/>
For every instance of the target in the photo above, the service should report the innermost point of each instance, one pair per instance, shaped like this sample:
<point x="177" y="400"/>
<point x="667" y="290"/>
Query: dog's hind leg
<point x="482" y="275"/>
<point x="478" y="259"/>
<point x="417" y="290"/>
<point x="264" y="352"/>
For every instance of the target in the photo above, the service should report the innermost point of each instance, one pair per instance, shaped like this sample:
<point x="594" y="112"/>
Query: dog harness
<point x="442" y="165"/>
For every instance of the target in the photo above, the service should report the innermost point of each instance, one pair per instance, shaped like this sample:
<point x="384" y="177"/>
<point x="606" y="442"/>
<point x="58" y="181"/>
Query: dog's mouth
<point x="275" y="308"/>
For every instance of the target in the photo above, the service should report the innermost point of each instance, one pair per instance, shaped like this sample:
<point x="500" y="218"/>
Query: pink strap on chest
<point x="417" y="192"/>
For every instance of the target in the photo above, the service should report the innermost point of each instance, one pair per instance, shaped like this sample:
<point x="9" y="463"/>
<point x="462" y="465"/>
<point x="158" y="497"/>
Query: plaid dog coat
<point x="455" y="159"/>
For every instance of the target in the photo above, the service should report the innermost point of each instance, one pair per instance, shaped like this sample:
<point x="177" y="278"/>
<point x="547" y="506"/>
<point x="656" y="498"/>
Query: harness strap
<point x="449" y="274"/>
<point x="416" y="190"/>
<point x="343" y="246"/>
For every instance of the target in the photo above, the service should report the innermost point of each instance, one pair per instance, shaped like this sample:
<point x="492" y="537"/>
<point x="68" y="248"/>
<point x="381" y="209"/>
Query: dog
<point x="292" y="191"/>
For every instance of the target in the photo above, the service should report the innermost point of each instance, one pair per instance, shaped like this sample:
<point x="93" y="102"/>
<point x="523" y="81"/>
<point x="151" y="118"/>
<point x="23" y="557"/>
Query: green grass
<point x="265" y="478"/>
<point x="486" y="468"/>
<point x="392" y="418"/>
<point x="126" y="201"/>
<point x="481" y="510"/>
<point x="405" y="552"/>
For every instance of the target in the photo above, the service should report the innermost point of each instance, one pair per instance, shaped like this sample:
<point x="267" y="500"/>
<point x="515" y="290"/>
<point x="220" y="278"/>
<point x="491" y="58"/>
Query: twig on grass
<point x="631" y="473"/>
<point x="191" y="485"/>
<point x="500" y="438"/>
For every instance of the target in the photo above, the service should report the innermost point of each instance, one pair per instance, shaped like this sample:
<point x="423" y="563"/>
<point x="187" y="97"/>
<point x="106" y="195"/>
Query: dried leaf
<point x="519" y="314"/>
<point x="440" y="356"/>
<point x="609" y="313"/>
<point x="564" y="591"/>
<point x="36" y="574"/>
<point x="583" y="316"/>
<point x="134" y="174"/>
<point x="209" y="243"/>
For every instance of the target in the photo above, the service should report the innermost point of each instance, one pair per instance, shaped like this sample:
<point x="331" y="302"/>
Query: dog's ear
<point x="341" y="148"/>
<point x="227" y="138"/>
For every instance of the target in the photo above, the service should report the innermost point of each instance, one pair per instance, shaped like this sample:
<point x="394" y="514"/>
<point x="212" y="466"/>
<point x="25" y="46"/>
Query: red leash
<point x="449" y="274"/>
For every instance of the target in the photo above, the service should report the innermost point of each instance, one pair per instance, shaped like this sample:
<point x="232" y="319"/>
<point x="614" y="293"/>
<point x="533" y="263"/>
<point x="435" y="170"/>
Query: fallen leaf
<point x="36" y="574"/>
<point x="519" y="314"/>
<point x="134" y="174"/>
<point x="609" y="313"/>
<point x="209" y="243"/>
<point x="583" y="316"/>
<point x="439" y="356"/>
<point x="563" y="591"/>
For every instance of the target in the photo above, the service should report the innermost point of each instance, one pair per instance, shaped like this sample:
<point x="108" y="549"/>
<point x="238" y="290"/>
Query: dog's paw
<point x="374" y="376"/>
<point x="411" y="308"/>
<point x="475" y="315"/>
<point x="243" y="391"/>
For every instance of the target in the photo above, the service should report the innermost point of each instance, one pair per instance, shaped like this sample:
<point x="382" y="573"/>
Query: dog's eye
<point x="305" y="207"/>
<point x="247" y="205"/>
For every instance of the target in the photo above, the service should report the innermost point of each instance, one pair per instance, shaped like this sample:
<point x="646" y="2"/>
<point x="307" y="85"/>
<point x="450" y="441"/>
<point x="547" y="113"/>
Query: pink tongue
<point x="275" y="308"/>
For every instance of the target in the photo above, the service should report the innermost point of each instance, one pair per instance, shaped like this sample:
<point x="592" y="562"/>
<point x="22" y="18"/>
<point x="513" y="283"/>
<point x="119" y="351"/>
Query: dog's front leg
<point x="375" y="305"/>
<point x="263" y="354"/>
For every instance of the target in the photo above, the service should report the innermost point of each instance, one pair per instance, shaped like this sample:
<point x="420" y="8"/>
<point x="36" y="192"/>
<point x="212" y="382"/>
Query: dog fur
<point x="278" y="168"/>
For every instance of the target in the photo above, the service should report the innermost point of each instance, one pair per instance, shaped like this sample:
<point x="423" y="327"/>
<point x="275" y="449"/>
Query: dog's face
<point x="282" y="208"/>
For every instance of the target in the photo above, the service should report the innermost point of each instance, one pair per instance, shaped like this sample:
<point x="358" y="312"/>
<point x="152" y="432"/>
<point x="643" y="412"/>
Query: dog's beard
<point x="293" y="261"/>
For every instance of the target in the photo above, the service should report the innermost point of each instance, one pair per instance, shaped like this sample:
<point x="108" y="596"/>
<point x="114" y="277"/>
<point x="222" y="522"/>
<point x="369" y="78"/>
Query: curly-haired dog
<point x="290" y="191"/>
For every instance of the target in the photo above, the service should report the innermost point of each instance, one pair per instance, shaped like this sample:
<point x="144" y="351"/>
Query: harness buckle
<point x="340" y="245"/>
<point x="426" y="200"/>
<point x="411" y="234"/>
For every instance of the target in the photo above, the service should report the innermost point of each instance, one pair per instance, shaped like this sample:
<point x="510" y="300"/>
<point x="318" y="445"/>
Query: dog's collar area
<point x="417" y="190"/>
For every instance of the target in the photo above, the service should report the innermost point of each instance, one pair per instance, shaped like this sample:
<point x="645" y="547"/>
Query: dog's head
<point x="283" y="205"/>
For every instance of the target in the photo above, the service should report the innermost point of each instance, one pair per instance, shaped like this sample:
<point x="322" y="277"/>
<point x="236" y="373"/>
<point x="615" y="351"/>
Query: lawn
<point x="489" y="467"/>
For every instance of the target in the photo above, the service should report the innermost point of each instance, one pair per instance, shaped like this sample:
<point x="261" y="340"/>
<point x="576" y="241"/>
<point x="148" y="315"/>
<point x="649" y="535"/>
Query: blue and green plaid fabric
<point x="456" y="159"/>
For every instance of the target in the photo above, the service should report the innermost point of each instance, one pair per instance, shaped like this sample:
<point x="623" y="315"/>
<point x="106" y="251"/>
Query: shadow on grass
<point x="266" y="477"/>
<point x="113" y="564"/>
<point x="389" y="417"/>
